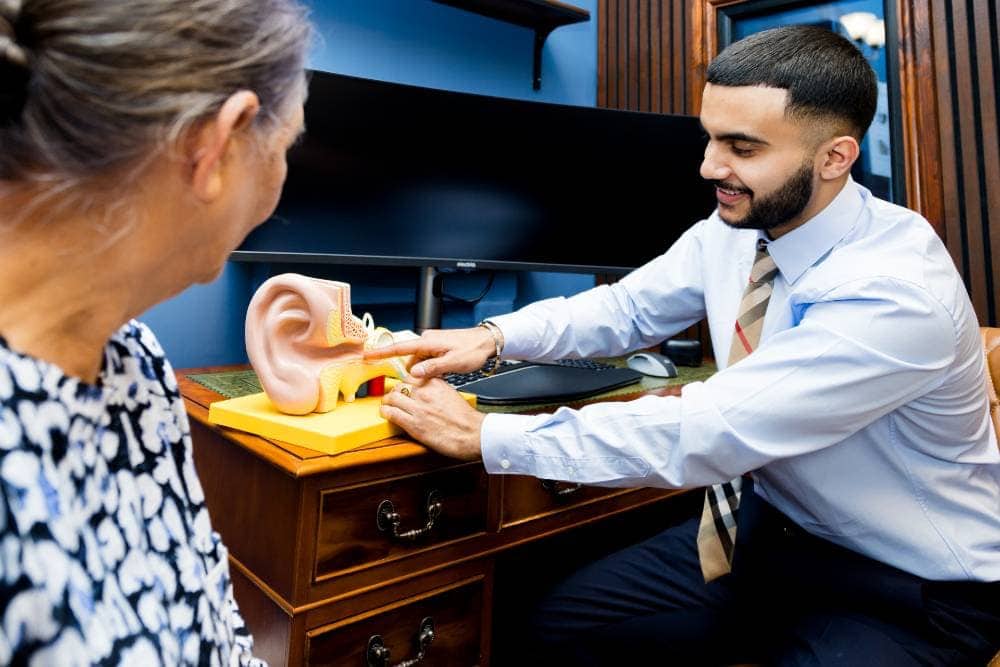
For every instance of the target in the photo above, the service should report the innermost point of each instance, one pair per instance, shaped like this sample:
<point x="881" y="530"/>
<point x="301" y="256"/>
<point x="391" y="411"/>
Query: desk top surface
<point x="301" y="461"/>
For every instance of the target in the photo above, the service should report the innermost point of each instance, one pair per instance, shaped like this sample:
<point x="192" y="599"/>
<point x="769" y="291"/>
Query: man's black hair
<point x="825" y="74"/>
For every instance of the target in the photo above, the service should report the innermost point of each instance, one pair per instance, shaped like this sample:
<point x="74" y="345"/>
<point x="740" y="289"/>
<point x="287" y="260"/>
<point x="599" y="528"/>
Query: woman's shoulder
<point x="138" y="340"/>
<point x="133" y="354"/>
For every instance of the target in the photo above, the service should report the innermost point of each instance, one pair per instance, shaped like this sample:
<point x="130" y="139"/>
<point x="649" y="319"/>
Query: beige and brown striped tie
<point x="717" y="531"/>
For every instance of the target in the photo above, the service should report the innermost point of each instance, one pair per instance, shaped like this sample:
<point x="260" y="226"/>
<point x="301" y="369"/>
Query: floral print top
<point x="107" y="555"/>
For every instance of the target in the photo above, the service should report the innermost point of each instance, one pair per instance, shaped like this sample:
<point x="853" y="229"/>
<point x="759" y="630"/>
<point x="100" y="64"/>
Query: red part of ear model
<point x="296" y="326"/>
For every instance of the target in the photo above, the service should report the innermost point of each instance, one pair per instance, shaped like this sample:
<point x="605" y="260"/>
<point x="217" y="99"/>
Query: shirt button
<point x="504" y="463"/>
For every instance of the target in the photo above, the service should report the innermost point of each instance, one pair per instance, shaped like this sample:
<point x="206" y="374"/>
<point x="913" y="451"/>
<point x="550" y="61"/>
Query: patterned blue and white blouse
<point x="107" y="555"/>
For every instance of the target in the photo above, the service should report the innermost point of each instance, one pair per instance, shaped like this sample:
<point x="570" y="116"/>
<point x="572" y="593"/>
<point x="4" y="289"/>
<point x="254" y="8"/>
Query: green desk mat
<point x="233" y="384"/>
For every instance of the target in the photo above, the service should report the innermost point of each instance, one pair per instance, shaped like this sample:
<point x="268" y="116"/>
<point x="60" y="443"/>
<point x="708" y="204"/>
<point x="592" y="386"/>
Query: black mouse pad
<point x="544" y="383"/>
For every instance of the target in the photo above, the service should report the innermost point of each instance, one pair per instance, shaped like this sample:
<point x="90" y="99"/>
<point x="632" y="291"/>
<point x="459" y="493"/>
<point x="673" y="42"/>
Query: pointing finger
<point x="404" y="348"/>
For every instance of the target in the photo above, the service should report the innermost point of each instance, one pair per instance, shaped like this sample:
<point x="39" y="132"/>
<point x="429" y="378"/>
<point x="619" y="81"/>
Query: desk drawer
<point x="363" y="525"/>
<point x="449" y="620"/>
<point x="526" y="498"/>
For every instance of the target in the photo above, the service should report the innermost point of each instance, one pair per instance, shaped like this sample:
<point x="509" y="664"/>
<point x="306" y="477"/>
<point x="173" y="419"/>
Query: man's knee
<point x="848" y="641"/>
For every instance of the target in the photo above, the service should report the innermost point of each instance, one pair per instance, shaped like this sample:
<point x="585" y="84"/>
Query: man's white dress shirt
<point x="863" y="413"/>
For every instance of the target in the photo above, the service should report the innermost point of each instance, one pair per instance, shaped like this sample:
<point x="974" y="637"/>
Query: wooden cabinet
<point x="453" y="603"/>
<point x="444" y="624"/>
<point x="528" y="498"/>
<point x="388" y="545"/>
<point x="394" y="518"/>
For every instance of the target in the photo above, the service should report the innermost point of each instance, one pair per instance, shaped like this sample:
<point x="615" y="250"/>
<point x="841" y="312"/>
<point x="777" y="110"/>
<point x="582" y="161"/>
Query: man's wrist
<point x="474" y="447"/>
<point x="493" y="361"/>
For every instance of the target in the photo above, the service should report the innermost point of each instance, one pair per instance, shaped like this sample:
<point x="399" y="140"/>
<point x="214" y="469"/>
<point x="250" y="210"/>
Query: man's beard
<point x="779" y="207"/>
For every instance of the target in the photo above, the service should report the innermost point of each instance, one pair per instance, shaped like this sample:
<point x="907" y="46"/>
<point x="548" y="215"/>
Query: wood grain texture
<point x="966" y="68"/>
<point x="641" y="62"/>
<point x="348" y="536"/>
<point x="269" y="497"/>
<point x="456" y="613"/>
<point x="271" y="625"/>
<point x="921" y="143"/>
<point x="307" y="554"/>
<point x="527" y="498"/>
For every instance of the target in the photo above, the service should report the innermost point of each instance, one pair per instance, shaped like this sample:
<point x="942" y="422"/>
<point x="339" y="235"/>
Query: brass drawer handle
<point x="553" y="487"/>
<point x="378" y="653"/>
<point x="389" y="519"/>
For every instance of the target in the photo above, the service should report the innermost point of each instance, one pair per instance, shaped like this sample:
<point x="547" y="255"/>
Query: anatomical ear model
<point x="307" y="346"/>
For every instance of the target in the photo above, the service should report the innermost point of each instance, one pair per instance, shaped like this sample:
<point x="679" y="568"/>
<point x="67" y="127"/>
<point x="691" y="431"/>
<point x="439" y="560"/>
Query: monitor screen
<point x="402" y="175"/>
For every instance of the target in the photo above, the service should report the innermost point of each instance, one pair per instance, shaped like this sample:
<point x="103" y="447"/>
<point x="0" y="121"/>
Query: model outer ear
<point x="296" y="328"/>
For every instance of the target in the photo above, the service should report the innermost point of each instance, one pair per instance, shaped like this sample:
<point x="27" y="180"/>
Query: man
<point x="851" y="387"/>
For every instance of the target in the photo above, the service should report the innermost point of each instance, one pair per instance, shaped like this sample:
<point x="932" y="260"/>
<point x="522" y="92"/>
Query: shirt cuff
<point x="517" y="335"/>
<point x="504" y="443"/>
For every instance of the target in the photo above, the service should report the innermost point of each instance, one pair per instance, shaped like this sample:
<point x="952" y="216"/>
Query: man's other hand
<point x="435" y="415"/>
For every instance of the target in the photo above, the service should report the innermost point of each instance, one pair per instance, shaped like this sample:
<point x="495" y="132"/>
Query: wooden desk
<point x="317" y="571"/>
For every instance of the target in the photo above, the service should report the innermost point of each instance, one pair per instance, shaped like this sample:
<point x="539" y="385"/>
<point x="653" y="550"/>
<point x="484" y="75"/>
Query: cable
<point x="470" y="302"/>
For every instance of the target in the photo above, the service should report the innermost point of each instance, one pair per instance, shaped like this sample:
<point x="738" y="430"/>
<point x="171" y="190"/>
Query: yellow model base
<point x="349" y="426"/>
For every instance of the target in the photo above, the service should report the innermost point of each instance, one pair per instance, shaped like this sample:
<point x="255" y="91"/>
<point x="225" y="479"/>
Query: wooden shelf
<point x="542" y="16"/>
<point x="527" y="13"/>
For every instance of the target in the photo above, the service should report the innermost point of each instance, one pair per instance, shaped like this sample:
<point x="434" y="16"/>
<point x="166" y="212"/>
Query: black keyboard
<point x="520" y="383"/>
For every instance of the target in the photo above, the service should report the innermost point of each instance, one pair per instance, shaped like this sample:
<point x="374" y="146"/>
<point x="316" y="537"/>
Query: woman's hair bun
<point x="14" y="72"/>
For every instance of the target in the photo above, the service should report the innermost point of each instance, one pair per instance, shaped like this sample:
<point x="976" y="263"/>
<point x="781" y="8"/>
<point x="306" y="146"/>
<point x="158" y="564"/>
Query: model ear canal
<point x="297" y="327"/>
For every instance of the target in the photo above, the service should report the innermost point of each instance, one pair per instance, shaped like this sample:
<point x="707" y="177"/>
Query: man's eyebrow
<point x="737" y="136"/>
<point x="741" y="136"/>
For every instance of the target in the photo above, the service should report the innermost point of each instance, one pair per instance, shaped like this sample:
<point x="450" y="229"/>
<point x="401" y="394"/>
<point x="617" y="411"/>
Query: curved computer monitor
<point x="391" y="174"/>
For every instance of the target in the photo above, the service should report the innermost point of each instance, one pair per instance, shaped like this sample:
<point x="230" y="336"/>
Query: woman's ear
<point x="838" y="155"/>
<point x="210" y="142"/>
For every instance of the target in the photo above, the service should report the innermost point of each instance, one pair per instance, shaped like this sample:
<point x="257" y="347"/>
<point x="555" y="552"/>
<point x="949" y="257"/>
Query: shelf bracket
<point x="540" y="16"/>
<point x="541" y="34"/>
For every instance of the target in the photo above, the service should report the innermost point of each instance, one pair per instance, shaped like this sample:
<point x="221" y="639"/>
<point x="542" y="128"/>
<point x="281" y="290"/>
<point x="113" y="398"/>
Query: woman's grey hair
<point x="92" y="87"/>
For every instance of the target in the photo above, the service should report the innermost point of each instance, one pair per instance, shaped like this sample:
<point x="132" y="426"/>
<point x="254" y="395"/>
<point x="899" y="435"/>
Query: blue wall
<point x="416" y="42"/>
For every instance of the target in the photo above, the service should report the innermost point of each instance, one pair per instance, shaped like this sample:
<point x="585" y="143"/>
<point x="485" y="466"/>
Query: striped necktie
<point x="717" y="531"/>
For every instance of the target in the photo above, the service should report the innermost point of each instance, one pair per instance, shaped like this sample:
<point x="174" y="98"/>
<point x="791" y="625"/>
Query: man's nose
<point x="713" y="169"/>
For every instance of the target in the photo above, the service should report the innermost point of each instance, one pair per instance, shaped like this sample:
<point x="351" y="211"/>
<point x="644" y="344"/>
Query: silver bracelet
<point x="493" y="363"/>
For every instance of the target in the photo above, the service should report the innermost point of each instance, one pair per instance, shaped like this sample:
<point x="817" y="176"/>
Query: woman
<point x="139" y="143"/>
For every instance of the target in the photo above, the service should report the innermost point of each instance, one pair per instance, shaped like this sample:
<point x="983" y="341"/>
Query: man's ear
<point x="211" y="140"/>
<point x="837" y="155"/>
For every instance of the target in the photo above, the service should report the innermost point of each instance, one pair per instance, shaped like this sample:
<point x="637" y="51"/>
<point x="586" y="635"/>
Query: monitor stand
<point x="428" y="301"/>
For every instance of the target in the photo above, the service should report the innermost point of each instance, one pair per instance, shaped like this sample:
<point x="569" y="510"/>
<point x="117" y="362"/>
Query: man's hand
<point x="435" y="415"/>
<point x="440" y="351"/>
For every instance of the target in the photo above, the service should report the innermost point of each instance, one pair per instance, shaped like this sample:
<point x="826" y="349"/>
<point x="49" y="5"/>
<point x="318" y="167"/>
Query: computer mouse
<point x="651" y="363"/>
